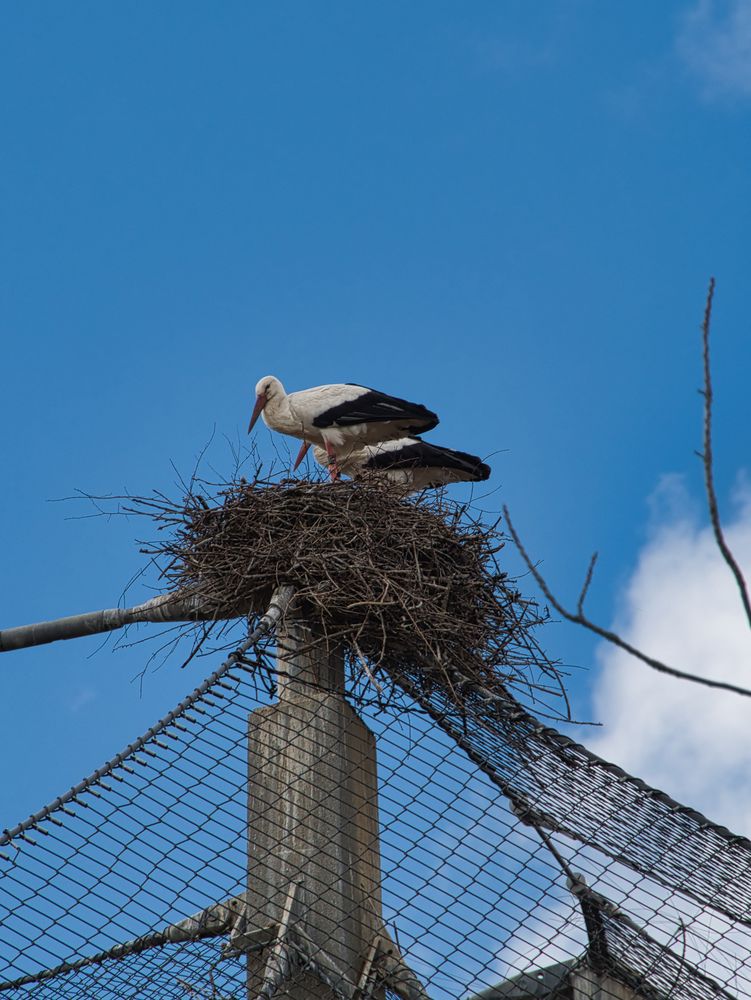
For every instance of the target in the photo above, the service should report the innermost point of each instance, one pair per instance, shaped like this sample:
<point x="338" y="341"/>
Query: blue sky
<point x="507" y="211"/>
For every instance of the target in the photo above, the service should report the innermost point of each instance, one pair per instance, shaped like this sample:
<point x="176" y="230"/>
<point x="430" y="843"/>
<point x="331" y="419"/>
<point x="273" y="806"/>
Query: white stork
<point x="409" y="462"/>
<point x="337" y="417"/>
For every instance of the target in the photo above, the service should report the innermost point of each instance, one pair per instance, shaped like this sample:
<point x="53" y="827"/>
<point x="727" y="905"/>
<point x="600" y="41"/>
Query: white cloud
<point x="715" y="42"/>
<point x="682" y="605"/>
<point x="83" y="697"/>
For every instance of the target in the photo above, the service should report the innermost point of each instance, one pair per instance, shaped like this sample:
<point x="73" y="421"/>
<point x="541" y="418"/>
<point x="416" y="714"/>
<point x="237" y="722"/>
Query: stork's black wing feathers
<point x="421" y="454"/>
<point x="377" y="407"/>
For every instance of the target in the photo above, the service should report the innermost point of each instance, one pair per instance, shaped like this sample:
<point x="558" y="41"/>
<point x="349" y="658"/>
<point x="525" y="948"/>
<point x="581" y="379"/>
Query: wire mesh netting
<point x="168" y="873"/>
<point x="564" y="787"/>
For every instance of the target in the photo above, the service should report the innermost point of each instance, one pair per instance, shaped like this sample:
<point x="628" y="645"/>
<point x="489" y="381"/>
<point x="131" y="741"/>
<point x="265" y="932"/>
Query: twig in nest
<point x="579" y="618"/>
<point x="707" y="461"/>
<point x="364" y="664"/>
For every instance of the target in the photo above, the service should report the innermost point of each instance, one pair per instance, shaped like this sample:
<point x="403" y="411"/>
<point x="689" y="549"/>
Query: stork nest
<point x="411" y="587"/>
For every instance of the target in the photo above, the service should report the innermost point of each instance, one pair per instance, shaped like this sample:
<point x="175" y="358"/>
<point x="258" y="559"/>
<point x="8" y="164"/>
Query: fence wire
<point x="491" y="846"/>
<point x="564" y="787"/>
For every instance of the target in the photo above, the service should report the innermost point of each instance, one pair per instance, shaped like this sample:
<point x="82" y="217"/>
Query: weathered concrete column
<point x="587" y="984"/>
<point x="313" y="854"/>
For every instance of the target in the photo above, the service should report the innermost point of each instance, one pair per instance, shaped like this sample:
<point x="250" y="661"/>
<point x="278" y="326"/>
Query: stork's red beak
<point x="301" y="454"/>
<point x="260" y="403"/>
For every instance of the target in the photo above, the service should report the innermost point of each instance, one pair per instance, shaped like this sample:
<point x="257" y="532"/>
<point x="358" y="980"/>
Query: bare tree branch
<point x="706" y="458"/>
<point x="587" y="582"/>
<point x="579" y="618"/>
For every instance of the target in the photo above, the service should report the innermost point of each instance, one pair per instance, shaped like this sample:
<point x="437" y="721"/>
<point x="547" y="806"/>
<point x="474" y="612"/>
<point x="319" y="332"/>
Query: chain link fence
<point x="493" y="857"/>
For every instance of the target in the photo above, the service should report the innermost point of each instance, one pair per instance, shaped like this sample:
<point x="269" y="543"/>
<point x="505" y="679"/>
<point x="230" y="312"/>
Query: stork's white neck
<point x="277" y="413"/>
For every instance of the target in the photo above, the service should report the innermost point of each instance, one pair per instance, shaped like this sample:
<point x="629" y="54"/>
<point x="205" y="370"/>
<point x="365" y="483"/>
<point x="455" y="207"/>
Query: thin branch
<point x="364" y="664"/>
<point x="581" y="619"/>
<point x="587" y="582"/>
<point x="707" y="461"/>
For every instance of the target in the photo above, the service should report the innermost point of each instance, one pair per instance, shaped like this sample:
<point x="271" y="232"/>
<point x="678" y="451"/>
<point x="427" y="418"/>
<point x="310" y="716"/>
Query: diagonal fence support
<point x="313" y="838"/>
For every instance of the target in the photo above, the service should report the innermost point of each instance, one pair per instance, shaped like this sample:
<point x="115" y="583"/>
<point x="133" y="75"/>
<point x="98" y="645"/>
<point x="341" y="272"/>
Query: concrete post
<point x="587" y="984"/>
<point x="313" y="852"/>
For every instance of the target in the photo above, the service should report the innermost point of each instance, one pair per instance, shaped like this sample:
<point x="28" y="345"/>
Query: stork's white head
<point x="268" y="389"/>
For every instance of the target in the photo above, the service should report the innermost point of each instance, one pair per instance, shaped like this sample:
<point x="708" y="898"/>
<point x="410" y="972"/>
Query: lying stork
<point x="409" y="462"/>
<point x="337" y="417"/>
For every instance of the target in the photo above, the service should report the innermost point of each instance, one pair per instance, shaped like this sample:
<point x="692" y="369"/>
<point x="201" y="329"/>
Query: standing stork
<point x="409" y="462"/>
<point x="337" y="417"/>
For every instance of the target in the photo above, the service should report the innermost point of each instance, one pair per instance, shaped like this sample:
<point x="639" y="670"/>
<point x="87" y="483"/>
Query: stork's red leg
<point x="333" y="467"/>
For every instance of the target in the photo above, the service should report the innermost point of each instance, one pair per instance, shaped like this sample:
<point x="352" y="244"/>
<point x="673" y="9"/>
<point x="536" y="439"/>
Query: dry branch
<point x="707" y="460"/>
<point x="580" y="618"/>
